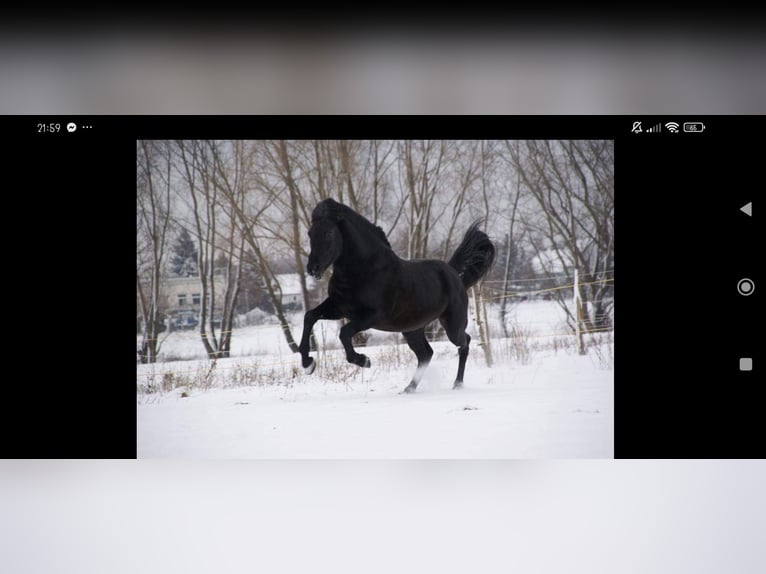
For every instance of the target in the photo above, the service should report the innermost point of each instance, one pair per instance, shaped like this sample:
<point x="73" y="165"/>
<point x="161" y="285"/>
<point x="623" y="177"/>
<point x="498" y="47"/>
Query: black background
<point x="682" y="243"/>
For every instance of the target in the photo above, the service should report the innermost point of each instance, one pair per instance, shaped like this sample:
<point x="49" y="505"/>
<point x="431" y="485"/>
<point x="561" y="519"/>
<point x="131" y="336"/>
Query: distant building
<point x="184" y="298"/>
<point x="292" y="294"/>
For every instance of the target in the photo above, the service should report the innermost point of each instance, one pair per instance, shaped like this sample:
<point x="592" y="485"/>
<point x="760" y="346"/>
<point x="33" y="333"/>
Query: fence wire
<point x="295" y="362"/>
<point x="489" y="285"/>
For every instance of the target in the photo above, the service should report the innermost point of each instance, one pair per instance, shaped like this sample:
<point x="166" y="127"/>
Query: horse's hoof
<point x="408" y="389"/>
<point x="310" y="369"/>
<point x="366" y="362"/>
<point x="457" y="386"/>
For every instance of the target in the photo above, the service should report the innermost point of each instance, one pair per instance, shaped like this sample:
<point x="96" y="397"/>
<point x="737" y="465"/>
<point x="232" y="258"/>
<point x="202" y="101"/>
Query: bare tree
<point x="231" y="169"/>
<point x="421" y="169"/>
<point x="297" y="208"/>
<point x="512" y="190"/>
<point x="213" y="174"/>
<point x="572" y="183"/>
<point x="249" y="213"/>
<point x="378" y="166"/>
<point x="466" y="175"/>
<point x="153" y="219"/>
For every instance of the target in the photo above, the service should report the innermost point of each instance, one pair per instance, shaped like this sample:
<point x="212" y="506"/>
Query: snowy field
<point x="540" y="399"/>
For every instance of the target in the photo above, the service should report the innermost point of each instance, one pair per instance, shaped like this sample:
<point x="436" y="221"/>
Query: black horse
<point x="375" y="289"/>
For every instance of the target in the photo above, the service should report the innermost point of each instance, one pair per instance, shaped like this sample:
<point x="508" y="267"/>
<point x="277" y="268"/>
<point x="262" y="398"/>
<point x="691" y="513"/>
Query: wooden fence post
<point x="482" y="324"/>
<point x="578" y="313"/>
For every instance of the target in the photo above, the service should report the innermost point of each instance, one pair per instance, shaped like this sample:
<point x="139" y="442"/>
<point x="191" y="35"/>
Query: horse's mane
<point x="331" y="209"/>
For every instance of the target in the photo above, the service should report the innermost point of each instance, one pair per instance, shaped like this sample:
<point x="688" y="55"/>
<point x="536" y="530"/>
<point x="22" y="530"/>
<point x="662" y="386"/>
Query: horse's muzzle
<point x="315" y="274"/>
<point x="314" y="271"/>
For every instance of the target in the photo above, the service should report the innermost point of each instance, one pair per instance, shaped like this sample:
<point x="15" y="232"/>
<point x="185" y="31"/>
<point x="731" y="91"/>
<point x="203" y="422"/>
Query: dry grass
<point x="332" y="367"/>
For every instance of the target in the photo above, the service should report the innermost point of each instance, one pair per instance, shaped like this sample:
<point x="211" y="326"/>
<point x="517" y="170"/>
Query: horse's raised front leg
<point x="325" y="310"/>
<point x="347" y="332"/>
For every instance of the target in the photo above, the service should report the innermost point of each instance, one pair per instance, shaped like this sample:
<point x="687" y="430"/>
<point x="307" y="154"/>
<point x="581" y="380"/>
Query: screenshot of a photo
<point x="316" y="290"/>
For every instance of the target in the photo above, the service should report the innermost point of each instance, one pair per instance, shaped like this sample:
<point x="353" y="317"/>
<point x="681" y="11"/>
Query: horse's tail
<point x="474" y="256"/>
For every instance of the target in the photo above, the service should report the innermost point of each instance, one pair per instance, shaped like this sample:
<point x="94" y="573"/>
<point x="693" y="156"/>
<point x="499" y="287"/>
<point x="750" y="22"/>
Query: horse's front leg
<point x="325" y="310"/>
<point x="346" y="334"/>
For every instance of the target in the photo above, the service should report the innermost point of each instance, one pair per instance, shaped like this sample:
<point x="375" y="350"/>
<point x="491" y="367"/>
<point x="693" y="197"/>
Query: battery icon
<point x="694" y="127"/>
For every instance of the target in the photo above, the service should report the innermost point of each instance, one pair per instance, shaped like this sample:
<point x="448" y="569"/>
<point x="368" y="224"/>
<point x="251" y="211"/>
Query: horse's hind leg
<point x="462" y="356"/>
<point x="457" y="335"/>
<point x="423" y="351"/>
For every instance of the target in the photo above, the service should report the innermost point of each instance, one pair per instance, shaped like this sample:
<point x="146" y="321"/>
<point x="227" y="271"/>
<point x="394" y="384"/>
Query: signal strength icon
<point x="672" y="127"/>
<point x="655" y="129"/>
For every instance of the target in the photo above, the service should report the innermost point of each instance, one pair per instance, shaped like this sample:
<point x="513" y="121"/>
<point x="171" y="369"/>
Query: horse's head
<point x="326" y="245"/>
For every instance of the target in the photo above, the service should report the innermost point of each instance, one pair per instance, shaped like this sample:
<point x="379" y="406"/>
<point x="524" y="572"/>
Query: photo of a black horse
<point x="375" y="289"/>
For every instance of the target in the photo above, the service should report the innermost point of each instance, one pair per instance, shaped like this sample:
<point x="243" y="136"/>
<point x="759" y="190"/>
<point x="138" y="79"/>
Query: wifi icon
<point x="672" y="127"/>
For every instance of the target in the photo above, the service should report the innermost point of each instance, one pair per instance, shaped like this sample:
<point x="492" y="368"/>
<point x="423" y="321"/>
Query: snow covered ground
<point x="258" y="404"/>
